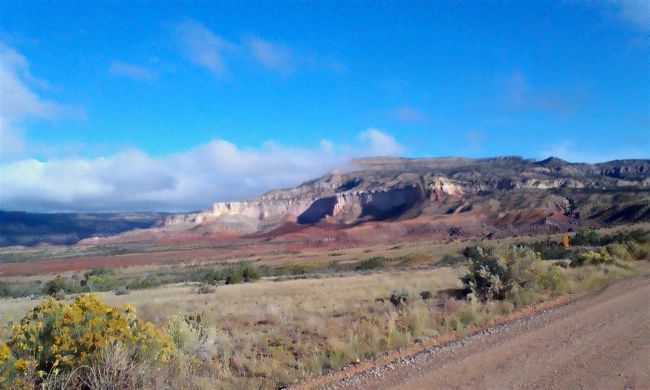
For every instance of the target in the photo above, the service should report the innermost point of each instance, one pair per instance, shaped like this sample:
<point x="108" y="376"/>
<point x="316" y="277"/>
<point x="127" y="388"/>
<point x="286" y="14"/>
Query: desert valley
<point x="345" y="270"/>
<point x="325" y="195"/>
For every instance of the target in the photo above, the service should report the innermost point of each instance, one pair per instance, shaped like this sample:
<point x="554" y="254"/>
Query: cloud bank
<point x="131" y="179"/>
<point x="193" y="179"/>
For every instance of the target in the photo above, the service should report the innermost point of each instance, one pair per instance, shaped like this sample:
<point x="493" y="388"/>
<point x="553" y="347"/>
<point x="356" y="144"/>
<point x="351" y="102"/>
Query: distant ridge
<point x="440" y="198"/>
<point x="499" y="194"/>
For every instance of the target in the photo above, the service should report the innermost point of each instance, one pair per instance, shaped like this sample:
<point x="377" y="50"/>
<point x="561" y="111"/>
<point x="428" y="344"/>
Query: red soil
<point x="292" y="237"/>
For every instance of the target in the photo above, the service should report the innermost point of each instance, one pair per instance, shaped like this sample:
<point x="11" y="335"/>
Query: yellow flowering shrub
<point x="16" y="373"/>
<point x="60" y="336"/>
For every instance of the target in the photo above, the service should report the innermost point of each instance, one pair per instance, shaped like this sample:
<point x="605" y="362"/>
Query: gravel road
<point x="600" y="341"/>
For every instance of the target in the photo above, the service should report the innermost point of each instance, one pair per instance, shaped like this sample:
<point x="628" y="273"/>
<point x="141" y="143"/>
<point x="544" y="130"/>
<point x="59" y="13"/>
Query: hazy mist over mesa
<point x="173" y="108"/>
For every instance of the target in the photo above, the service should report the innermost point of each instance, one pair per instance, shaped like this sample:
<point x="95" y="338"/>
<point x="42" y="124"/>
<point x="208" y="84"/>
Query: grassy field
<point x="253" y="302"/>
<point x="278" y="330"/>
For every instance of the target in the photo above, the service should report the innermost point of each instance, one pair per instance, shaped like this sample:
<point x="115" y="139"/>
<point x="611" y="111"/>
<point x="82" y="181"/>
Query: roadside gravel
<point x="600" y="341"/>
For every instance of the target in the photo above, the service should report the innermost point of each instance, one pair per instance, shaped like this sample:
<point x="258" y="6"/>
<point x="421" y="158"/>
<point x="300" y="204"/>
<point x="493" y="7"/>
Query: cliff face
<point x="397" y="189"/>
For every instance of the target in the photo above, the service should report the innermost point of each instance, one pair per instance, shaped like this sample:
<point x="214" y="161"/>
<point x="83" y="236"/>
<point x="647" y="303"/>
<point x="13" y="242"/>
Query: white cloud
<point x="327" y="145"/>
<point x="202" y="46"/>
<point x="133" y="180"/>
<point x="380" y="143"/>
<point x="12" y="139"/>
<point x="135" y="72"/>
<point x="272" y="55"/>
<point x="205" y="48"/>
<point x="19" y="102"/>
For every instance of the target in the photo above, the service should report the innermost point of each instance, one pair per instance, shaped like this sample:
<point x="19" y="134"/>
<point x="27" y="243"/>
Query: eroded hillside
<point x="453" y="196"/>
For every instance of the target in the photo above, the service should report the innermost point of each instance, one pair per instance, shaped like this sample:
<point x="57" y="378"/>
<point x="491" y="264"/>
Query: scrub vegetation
<point x="243" y="326"/>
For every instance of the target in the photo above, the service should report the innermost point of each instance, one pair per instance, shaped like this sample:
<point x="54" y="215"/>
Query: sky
<point x="170" y="106"/>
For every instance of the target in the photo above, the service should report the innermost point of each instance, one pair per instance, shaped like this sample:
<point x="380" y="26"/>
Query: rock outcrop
<point x="494" y="189"/>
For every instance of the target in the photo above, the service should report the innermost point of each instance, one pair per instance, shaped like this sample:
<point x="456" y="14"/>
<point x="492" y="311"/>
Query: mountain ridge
<point x="394" y="188"/>
<point x="383" y="199"/>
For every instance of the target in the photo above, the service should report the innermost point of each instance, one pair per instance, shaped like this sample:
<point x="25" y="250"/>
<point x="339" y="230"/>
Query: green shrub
<point x="399" y="297"/>
<point x="553" y="280"/>
<point x="99" y="279"/>
<point x="234" y="278"/>
<point x="250" y="273"/>
<point x="450" y="260"/>
<point x="241" y="273"/>
<point x="59" y="295"/>
<point x="121" y="290"/>
<point x="478" y="252"/>
<point x="57" y="284"/>
<point x="552" y="250"/>
<point x="5" y="290"/>
<point x="147" y="281"/>
<point x="192" y="337"/>
<point x="586" y="236"/>
<point x="639" y="250"/>
<point x="592" y="258"/>
<point x="491" y="277"/>
<point x="371" y="263"/>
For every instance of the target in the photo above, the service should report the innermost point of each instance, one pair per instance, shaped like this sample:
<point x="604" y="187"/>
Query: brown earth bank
<point x="599" y="341"/>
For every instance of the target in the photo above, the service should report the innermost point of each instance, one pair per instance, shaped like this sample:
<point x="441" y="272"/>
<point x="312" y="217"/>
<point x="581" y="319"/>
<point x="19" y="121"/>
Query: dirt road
<point x="601" y="341"/>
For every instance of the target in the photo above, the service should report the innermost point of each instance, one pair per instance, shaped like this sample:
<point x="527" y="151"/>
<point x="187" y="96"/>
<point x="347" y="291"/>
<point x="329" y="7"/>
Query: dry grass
<point x="272" y="332"/>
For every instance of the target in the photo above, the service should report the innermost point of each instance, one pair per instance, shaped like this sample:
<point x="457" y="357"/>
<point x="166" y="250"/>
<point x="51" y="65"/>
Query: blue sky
<point x="172" y="105"/>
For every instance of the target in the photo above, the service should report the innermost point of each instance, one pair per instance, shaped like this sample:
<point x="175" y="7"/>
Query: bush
<point x="399" y="297"/>
<point x="371" y="263"/>
<point x="592" y="258"/>
<point x="250" y="273"/>
<point x="234" y="278"/>
<point x="241" y="273"/>
<point x="121" y="290"/>
<point x="57" y="284"/>
<point x="619" y="251"/>
<point x="450" y="260"/>
<point x="478" y="252"/>
<point x="490" y="277"/>
<point x="192" y="337"/>
<point x="586" y="236"/>
<point x="147" y="281"/>
<point x="5" y="290"/>
<point x="60" y="337"/>
<point x="59" y="295"/>
<point x="205" y="289"/>
<point x="553" y="280"/>
<point x="639" y="250"/>
<point x="13" y="373"/>
<point x="99" y="279"/>
<point x="552" y="251"/>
